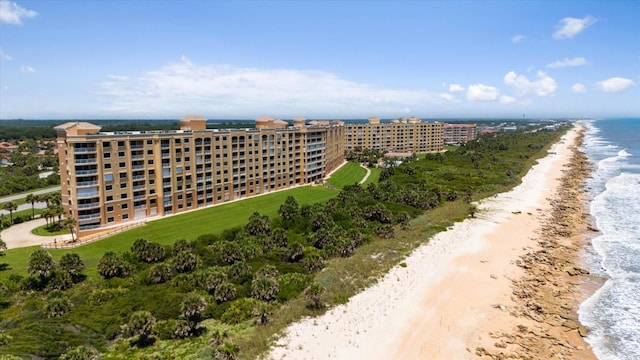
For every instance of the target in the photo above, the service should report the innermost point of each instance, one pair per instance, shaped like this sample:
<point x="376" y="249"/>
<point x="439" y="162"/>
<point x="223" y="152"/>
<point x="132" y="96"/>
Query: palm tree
<point x="10" y="206"/>
<point x="70" y="224"/>
<point x="32" y="198"/>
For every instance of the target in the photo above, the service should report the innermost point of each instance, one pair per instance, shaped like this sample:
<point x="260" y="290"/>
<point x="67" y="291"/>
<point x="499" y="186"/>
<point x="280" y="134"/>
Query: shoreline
<point x="453" y="299"/>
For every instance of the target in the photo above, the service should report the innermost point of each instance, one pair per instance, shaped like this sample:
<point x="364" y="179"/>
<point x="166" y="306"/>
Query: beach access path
<point x="452" y="293"/>
<point x="20" y="235"/>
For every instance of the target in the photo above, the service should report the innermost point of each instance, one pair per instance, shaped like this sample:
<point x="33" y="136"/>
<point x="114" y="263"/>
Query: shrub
<point x="72" y="264"/>
<point x="58" y="306"/>
<point x="112" y="265"/>
<point x="293" y="252"/>
<point x="59" y="280"/>
<point x="240" y="310"/>
<point x="240" y="272"/>
<point x="139" y="328"/>
<point x="313" y="262"/>
<point x="185" y="262"/>
<point x="264" y="288"/>
<point x="313" y="296"/>
<point x="81" y="352"/>
<point x="41" y="263"/>
<point x="224" y="292"/>
<point x="291" y="285"/>
<point x="160" y="273"/>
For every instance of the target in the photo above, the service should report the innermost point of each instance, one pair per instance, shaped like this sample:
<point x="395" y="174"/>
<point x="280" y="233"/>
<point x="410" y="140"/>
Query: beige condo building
<point x="460" y="133"/>
<point x="110" y="179"/>
<point x="399" y="135"/>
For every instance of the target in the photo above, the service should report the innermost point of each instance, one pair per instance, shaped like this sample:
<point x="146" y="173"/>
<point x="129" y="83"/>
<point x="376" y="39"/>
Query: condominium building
<point x="400" y="135"/>
<point x="460" y="133"/>
<point x="110" y="178"/>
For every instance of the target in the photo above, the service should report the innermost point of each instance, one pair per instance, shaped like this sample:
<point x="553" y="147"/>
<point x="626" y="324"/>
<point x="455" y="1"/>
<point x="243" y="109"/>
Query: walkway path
<point x="20" y="235"/>
<point x="366" y="176"/>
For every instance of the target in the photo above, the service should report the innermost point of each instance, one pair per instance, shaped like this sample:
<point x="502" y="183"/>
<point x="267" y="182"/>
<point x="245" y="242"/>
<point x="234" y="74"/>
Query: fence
<point x="71" y="245"/>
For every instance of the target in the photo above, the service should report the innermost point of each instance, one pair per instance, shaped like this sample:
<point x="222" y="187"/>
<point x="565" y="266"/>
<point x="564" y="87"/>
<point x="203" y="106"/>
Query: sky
<point x="221" y="59"/>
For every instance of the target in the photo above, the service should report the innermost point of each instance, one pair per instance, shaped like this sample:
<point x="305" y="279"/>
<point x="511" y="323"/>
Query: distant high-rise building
<point x="460" y="133"/>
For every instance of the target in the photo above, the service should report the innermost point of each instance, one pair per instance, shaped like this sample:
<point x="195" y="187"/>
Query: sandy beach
<point x="501" y="285"/>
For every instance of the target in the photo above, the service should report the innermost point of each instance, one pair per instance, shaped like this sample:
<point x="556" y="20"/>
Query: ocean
<point x="612" y="313"/>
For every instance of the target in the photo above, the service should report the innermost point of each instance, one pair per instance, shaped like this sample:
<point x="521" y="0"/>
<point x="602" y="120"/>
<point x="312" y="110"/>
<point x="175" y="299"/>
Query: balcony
<point x="84" y="150"/>
<point x="166" y="194"/>
<point x="89" y="205"/>
<point x="86" y="161"/>
<point x="140" y="197"/>
<point x="138" y="177"/>
<point x="136" y="147"/>
<point x="137" y="157"/>
<point x="88" y="217"/>
<point x="88" y="195"/>
<point x="140" y="207"/>
<point x="86" y="183"/>
<point x="139" y="187"/>
<point x="87" y="172"/>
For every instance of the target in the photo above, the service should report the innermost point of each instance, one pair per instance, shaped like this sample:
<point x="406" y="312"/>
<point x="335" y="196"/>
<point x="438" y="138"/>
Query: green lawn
<point x="167" y="230"/>
<point x="349" y="174"/>
<point x="42" y="231"/>
<point x="374" y="177"/>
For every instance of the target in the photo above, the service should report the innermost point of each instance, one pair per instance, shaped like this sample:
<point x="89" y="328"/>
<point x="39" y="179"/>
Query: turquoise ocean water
<point x="612" y="313"/>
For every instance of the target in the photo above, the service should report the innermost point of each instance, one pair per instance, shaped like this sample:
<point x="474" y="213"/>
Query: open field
<point x="349" y="174"/>
<point x="374" y="177"/>
<point x="184" y="226"/>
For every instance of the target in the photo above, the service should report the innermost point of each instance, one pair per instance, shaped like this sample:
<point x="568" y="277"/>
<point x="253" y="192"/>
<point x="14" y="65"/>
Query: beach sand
<point x="468" y="292"/>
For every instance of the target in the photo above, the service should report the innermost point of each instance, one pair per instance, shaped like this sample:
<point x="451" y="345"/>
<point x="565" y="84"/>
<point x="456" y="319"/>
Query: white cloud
<point x="506" y="100"/>
<point x="543" y="86"/>
<point x="578" y="88"/>
<point x="12" y="13"/>
<point x="4" y="56"/>
<point x="615" y="84"/>
<point x="576" y="61"/>
<point x="481" y="92"/>
<point x="456" y="87"/>
<point x="517" y="38"/>
<point x="27" y="69"/>
<point x="570" y="27"/>
<point x="223" y="90"/>
<point x="449" y="98"/>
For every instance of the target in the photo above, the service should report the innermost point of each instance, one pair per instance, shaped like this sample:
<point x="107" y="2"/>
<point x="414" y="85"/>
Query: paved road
<point x="24" y="195"/>
<point x="20" y="235"/>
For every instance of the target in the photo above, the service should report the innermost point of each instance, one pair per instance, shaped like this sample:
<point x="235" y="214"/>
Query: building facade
<point x="460" y="133"/>
<point x="401" y="135"/>
<point x="109" y="179"/>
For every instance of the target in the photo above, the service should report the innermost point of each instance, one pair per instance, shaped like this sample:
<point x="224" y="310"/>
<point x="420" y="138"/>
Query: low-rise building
<point x="460" y="133"/>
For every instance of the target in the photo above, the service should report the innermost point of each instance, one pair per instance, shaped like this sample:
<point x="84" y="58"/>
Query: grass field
<point x="167" y="230"/>
<point x="42" y="231"/>
<point x="374" y="177"/>
<point x="349" y="174"/>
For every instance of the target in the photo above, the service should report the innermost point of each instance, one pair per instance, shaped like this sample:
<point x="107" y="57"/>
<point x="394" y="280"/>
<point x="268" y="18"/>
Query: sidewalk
<point x="20" y="235"/>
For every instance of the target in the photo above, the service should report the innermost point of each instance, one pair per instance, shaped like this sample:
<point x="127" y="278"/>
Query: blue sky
<point x="318" y="59"/>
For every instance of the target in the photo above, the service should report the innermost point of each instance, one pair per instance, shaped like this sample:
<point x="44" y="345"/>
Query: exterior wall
<point x="417" y="137"/>
<point x="109" y="179"/>
<point x="460" y="133"/>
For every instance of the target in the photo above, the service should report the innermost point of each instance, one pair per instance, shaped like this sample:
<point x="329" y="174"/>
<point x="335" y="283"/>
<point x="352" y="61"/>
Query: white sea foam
<point x="612" y="314"/>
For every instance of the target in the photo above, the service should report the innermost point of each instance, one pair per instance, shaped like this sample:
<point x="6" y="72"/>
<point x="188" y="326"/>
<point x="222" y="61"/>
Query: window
<point x="152" y="181"/>
<point x="152" y="171"/>
<point x="188" y="204"/>
<point x="110" y="219"/>
<point x="149" y="152"/>
<point x="107" y="155"/>
<point x="123" y="175"/>
<point x="152" y="201"/>
<point x="107" y="166"/>
<point x="123" y="196"/>
<point x="108" y="177"/>
<point x="124" y="206"/>
<point x="180" y="197"/>
<point x="108" y="187"/>
<point x="122" y="164"/>
<point x="149" y="162"/>
<point x="121" y="153"/>
<point x="125" y="216"/>
<point x="106" y="144"/>
<point x="149" y="142"/>
<point x="120" y="143"/>
<point x="178" y="159"/>
<point x="152" y="191"/>
<point x="123" y="185"/>
<point x="186" y="140"/>
<point x="109" y="198"/>
<point x="109" y="208"/>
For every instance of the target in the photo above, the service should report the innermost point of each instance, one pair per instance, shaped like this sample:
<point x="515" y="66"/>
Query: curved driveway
<point x="20" y="235"/>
